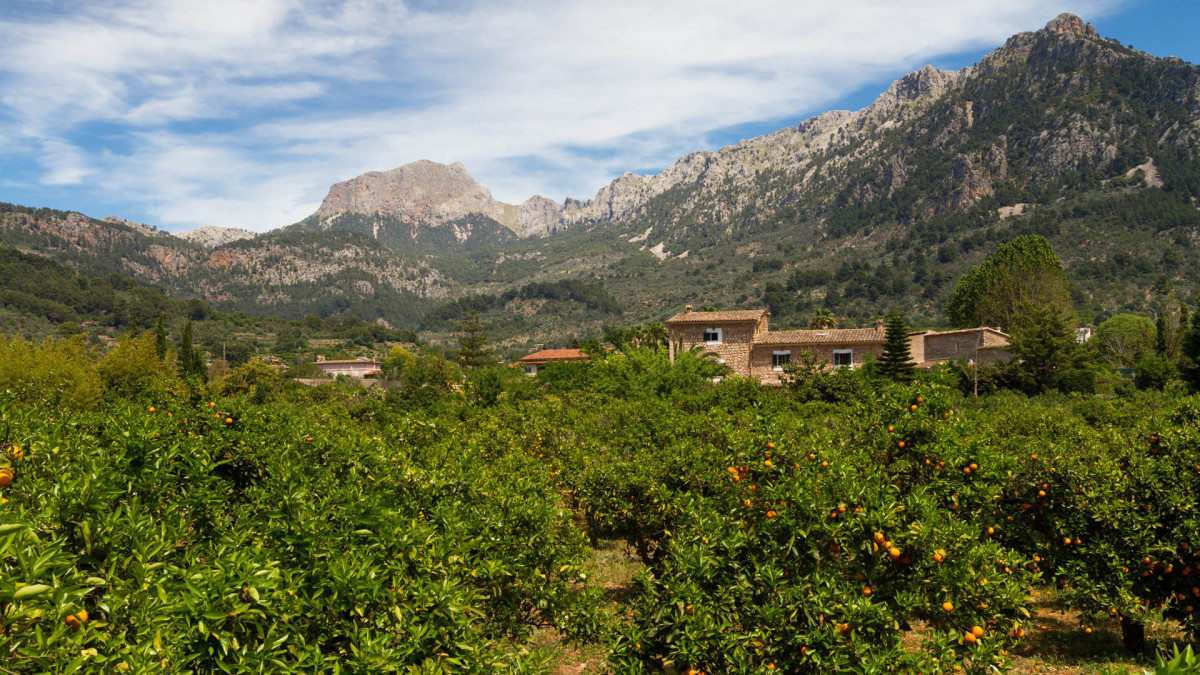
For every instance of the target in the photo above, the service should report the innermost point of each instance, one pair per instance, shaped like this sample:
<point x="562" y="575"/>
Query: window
<point x="843" y="358"/>
<point x="780" y="358"/>
<point x="712" y="336"/>
<point x="531" y="370"/>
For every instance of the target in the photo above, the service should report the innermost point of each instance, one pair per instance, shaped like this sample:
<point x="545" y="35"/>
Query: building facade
<point x="359" y="368"/>
<point x="741" y="340"/>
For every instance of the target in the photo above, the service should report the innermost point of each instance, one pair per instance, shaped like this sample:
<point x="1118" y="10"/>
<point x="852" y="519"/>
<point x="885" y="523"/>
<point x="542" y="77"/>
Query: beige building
<point x="353" y="367"/>
<point x="741" y="340"/>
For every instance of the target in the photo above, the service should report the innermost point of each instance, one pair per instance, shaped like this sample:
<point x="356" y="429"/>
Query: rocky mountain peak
<point x="1069" y="24"/>
<point x="423" y="192"/>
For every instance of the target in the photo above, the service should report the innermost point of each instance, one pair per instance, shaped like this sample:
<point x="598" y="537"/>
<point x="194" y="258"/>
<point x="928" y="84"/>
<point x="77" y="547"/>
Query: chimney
<point x="878" y="324"/>
<point x="688" y="309"/>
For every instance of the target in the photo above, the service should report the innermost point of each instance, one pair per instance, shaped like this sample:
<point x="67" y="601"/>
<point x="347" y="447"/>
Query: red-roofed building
<point x="531" y="363"/>
<point x="740" y="339"/>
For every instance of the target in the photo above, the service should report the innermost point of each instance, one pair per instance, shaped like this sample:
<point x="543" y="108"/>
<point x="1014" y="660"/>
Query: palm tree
<point x="654" y="336"/>
<point x="822" y="318"/>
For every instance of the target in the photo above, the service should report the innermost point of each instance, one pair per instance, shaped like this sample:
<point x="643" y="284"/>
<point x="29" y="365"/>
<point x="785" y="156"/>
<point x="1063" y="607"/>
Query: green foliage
<point x="472" y="342"/>
<point x="1023" y="271"/>
<point x="1180" y="663"/>
<point x="1154" y="371"/>
<point x="56" y="373"/>
<point x="896" y="362"/>
<point x="1043" y="343"/>
<point x="255" y="378"/>
<point x="810" y="379"/>
<point x="1123" y="339"/>
<point x="132" y="368"/>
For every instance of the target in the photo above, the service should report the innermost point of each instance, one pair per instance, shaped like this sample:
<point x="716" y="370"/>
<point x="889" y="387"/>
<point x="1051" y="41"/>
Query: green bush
<point x="54" y="373"/>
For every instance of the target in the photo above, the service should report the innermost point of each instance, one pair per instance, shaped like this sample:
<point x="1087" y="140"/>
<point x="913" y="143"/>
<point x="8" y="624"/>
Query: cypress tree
<point x="160" y="337"/>
<point x="896" y="362"/>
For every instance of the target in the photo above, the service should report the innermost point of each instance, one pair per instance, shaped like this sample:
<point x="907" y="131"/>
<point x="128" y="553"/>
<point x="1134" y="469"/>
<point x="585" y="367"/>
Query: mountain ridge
<point x="1058" y="132"/>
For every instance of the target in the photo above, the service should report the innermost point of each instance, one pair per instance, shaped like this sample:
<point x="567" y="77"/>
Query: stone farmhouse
<point x="741" y="340"/>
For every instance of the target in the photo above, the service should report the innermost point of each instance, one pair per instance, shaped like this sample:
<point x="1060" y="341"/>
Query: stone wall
<point x="736" y="340"/>
<point x="760" y="363"/>
<point x="916" y="347"/>
<point x="950" y="346"/>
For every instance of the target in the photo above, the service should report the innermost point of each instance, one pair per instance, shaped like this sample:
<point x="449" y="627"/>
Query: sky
<point x="242" y="113"/>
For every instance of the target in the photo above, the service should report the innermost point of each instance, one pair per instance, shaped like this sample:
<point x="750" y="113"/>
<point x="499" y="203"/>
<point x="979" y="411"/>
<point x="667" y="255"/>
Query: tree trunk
<point x="1133" y="634"/>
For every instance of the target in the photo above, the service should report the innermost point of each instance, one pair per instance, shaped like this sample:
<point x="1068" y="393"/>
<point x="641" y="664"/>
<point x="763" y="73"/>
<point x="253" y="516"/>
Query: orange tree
<point x="226" y="537"/>
<point x="1106" y="498"/>
<point x="837" y="529"/>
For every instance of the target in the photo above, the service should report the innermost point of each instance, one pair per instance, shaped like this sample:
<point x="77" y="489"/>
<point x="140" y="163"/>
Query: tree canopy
<point x="1025" y="270"/>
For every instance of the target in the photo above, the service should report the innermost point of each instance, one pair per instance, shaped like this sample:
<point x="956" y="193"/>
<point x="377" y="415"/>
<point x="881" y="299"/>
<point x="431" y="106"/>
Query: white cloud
<point x="242" y="113"/>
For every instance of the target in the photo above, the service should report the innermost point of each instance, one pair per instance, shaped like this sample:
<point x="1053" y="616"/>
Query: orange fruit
<point x="866" y="590"/>
<point x="948" y="606"/>
<point x="72" y="621"/>
<point x="770" y="514"/>
<point x="767" y="463"/>
<point x="977" y="630"/>
<point x="6" y="477"/>
<point x="939" y="556"/>
<point x="970" y="638"/>
<point x="894" y="552"/>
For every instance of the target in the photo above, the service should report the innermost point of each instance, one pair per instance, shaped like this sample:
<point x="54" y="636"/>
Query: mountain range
<point x="1059" y="132"/>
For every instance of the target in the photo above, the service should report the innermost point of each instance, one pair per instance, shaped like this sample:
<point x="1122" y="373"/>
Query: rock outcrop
<point x="211" y="236"/>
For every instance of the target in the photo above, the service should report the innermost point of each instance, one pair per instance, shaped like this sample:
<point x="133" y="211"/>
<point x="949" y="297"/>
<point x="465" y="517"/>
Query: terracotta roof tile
<point x="718" y="317"/>
<point x="554" y="355"/>
<point x="822" y="336"/>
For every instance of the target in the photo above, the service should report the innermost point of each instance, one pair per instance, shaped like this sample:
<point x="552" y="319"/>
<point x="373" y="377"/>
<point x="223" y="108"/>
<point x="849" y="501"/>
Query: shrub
<point x="56" y="373"/>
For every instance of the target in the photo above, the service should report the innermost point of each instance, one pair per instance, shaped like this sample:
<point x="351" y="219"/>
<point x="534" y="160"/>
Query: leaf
<point x="9" y="528"/>
<point x="31" y="591"/>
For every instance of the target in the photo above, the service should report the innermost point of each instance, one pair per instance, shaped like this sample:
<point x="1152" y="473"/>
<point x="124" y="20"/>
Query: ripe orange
<point x="767" y="463"/>
<point x="879" y="538"/>
<point x="977" y="630"/>
<point x="970" y="638"/>
<point x="939" y="556"/>
<point x="771" y="446"/>
<point x="866" y="590"/>
<point x="72" y="621"/>
<point x="912" y="407"/>
<point x="894" y="552"/>
<point x="991" y="531"/>
<point x="948" y="606"/>
<point x="6" y="477"/>
<point x="771" y="514"/>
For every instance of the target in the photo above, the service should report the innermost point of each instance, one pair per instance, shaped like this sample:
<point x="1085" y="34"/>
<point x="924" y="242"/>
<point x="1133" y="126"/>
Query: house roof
<point x="822" y="336"/>
<point x="345" y="362"/>
<point x="554" y="355"/>
<point x="992" y="337"/>
<point x="719" y="317"/>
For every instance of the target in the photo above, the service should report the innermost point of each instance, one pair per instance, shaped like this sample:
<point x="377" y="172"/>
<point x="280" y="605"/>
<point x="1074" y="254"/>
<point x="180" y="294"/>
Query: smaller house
<point x="1082" y="335"/>
<point x="530" y="364"/>
<point x="360" y="367"/>
<point x="981" y="345"/>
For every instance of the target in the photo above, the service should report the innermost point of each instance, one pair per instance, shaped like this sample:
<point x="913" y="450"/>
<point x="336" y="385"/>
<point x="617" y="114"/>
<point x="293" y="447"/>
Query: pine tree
<point x="472" y="342"/>
<point x="160" y="336"/>
<point x="896" y="362"/>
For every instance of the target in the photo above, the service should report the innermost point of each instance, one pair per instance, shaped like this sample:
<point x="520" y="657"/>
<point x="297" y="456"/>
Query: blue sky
<point x="241" y="113"/>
